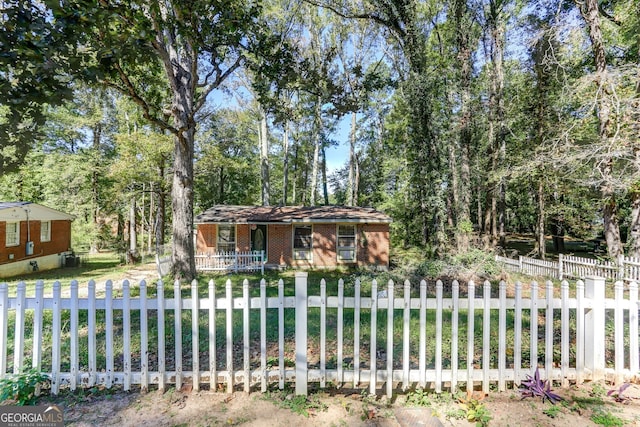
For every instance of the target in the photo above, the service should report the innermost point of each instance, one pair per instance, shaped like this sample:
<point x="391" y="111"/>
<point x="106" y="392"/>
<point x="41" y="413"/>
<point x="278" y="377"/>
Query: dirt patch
<point x="585" y="405"/>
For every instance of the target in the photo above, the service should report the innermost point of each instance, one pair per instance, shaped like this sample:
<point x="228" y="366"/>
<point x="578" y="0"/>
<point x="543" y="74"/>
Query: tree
<point x="226" y="159"/>
<point x="35" y="61"/>
<point x="606" y="125"/>
<point x="191" y="47"/>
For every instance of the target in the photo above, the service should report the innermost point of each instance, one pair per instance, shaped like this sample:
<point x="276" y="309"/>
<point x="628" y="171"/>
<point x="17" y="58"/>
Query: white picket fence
<point x="626" y="268"/>
<point x="134" y="335"/>
<point x="231" y="261"/>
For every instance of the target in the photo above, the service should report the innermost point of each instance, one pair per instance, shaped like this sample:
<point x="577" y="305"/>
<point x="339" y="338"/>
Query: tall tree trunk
<point x="497" y="131"/>
<point x="183" y="261"/>
<point x="133" y="237"/>
<point x="296" y="176"/>
<point x="634" y="227"/>
<point x="634" y="192"/>
<point x="356" y="181"/>
<point x="591" y="14"/>
<point x="463" y="60"/>
<point x="540" y="246"/>
<point x="315" y="167"/>
<point x="264" y="157"/>
<point x="351" y="184"/>
<point x="161" y="209"/>
<point x="222" y="183"/>
<point x="325" y="187"/>
<point x="95" y="175"/>
<point x="150" y="218"/>
<point x="120" y="232"/>
<point x="285" y="163"/>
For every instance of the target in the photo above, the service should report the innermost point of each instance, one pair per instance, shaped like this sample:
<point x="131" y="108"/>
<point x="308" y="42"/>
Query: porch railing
<point x="231" y="261"/>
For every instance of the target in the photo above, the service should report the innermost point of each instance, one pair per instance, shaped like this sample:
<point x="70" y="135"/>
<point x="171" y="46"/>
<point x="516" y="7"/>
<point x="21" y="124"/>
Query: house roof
<point x="291" y="214"/>
<point x="21" y="211"/>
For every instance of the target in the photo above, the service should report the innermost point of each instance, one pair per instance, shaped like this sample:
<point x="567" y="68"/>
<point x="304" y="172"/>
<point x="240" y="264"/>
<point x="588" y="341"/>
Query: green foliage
<point x="22" y="389"/>
<point x="227" y="160"/>
<point x="553" y="411"/>
<point x="416" y="265"/>
<point x="302" y="405"/>
<point x="597" y="390"/>
<point x="605" y="418"/>
<point x="418" y="397"/>
<point x="465" y="227"/>
<point x="34" y="65"/>
<point x="475" y="411"/>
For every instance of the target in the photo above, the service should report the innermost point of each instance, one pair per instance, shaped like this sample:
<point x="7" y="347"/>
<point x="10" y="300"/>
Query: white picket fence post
<point x="595" y="327"/>
<point x="634" y="362"/>
<point x="301" y="333"/>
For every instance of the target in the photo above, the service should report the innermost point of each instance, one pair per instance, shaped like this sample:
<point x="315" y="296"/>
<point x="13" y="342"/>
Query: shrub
<point x="23" y="388"/>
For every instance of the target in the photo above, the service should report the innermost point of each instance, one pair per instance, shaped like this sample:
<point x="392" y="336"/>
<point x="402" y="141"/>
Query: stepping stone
<point x="416" y="417"/>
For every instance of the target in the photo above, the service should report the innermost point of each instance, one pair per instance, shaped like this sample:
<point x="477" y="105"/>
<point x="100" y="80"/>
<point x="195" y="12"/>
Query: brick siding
<point x="206" y="238"/>
<point x="372" y="244"/>
<point x="243" y="238"/>
<point x="60" y="240"/>
<point x="279" y="244"/>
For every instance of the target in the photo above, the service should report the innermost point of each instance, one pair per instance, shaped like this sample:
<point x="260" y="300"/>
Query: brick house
<point x="298" y="236"/>
<point x="32" y="237"/>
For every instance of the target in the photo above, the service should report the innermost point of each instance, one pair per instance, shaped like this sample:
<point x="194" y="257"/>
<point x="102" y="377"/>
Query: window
<point x="13" y="234"/>
<point x="302" y="242"/>
<point x="346" y="243"/>
<point x="226" y="238"/>
<point x="45" y="231"/>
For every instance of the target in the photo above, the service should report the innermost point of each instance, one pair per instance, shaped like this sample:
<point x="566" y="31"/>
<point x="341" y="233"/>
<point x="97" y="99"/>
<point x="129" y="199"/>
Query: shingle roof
<point x="290" y="214"/>
<point x="8" y="205"/>
<point x="20" y="211"/>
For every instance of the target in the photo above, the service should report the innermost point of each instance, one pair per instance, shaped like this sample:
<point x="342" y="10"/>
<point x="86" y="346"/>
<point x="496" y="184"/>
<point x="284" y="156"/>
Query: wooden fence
<point x="252" y="336"/>
<point x="231" y="261"/>
<point x="626" y="268"/>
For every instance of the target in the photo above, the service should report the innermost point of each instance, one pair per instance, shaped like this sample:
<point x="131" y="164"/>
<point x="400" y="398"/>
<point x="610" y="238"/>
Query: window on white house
<point x="302" y="242"/>
<point x="45" y="231"/>
<point x="13" y="234"/>
<point x="346" y="243"/>
<point x="226" y="238"/>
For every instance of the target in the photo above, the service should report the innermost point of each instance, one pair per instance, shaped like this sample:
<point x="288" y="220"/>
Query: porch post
<point x="301" y="333"/>
<point x="594" y="327"/>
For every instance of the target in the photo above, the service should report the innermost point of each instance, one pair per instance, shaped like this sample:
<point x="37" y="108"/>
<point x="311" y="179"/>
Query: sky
<point x="338" y="155"/>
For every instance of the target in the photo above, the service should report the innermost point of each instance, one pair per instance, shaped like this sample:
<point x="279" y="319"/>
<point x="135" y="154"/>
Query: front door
<point x="259" y="238"/>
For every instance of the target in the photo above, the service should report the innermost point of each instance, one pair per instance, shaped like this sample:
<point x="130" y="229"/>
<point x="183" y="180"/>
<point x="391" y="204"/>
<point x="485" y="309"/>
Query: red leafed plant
<point x="618" y="394"/>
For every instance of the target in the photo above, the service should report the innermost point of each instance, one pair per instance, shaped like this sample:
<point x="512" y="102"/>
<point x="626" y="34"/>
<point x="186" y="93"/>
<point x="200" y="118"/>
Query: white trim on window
<point x="302" y="242"/>
<point x="12" y="234"/>
<point x="228" y="244"/>
<point x="45" y="231"/>
<point x="346" y="248"/>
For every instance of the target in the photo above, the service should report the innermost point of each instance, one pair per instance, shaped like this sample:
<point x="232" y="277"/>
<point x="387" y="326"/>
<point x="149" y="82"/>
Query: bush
<point x="22" y="389"/>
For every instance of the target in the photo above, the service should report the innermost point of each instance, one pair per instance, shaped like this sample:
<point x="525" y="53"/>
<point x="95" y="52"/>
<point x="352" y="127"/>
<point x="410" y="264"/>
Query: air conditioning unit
<point x="29" y="248"/>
